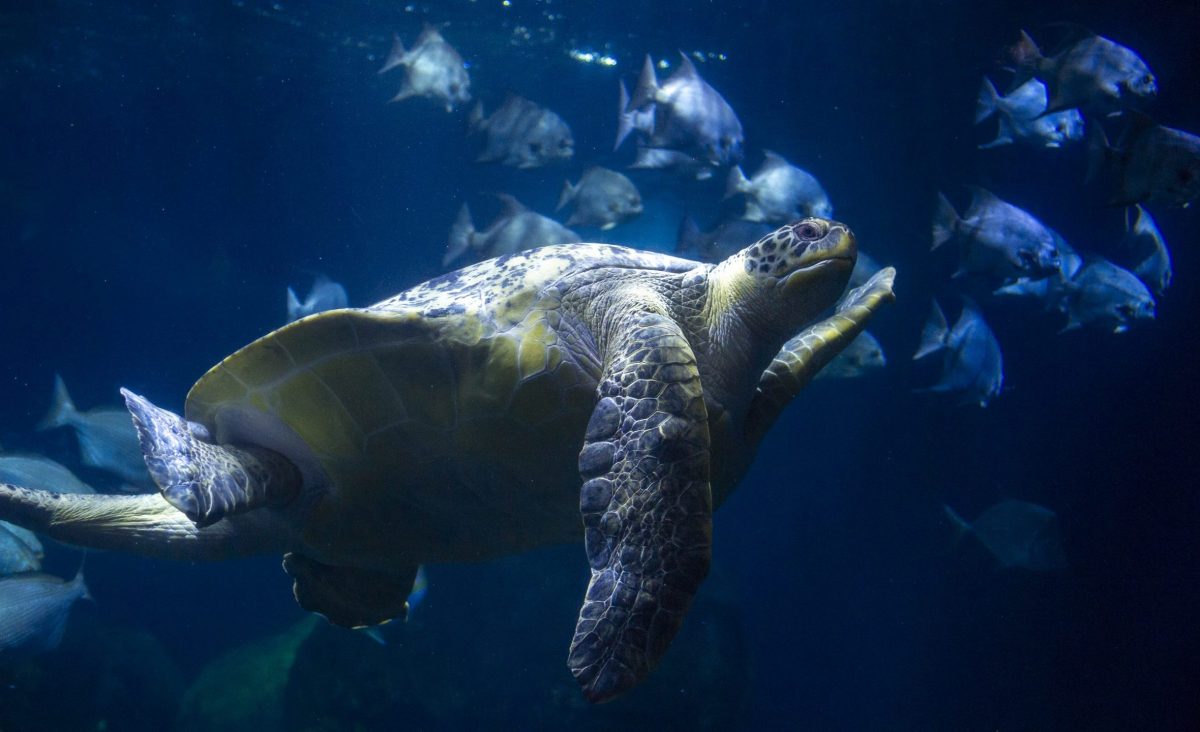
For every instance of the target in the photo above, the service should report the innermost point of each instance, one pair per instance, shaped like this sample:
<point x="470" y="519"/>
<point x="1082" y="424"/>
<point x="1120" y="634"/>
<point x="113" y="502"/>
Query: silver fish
<point x="1144" y="245"/>
<point x="324" y="295"/>
<point x="34" y="610"/>
<point x="1093" y="74"/>
<point x="603" y="198"/>
<point x="1149" y="163"/>
<point x="433" y="69"/>
<point x="863" y="356"/>
<point x="516" y="229"/>
<point x="522" y="134"/>
<point x="40" y="473"/>
<point x="682" y="123"/>
<point x="19" y="552"/>
<point x="779" y="192"/>
<point x="1052" y="289"/>
<point x="1018" y="534"/>
<point x="971" y="363"/>
<point x="721" y="242"/>
<point x="107" y="439"/>
<point x="997" y="237"/>
<point x="1021" y="117"/>
<point x="1106" y="296"/>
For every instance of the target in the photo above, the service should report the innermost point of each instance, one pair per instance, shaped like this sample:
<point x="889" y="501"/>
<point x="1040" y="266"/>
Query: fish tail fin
<point x="396" y="56"/>
<point x="933" y="335"/>
<point x="987" y="102"/>
<point x="294" y="308"/>
<point x="625" y="121"/>
<point x="62" y="409"/>
<point x="945" y="221"/>
<point x="960" y="524"/>
<point x="568" y="194"/>
<point x="646" y="92"/>
<point x="736" y="183"/>
<point x="475" y="121"/>
<point x="460" y="236"/>
<point x="689" y="237"/>
<point x="1026" y="59"/>
<point x="1099" y="152"/>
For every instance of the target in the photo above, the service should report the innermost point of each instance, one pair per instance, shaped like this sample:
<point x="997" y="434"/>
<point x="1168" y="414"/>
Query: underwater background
<point x="167" y="169"/>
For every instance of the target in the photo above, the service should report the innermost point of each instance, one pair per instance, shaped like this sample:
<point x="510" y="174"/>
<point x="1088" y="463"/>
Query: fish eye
<point x="808" y="231"/>
<point x="564" y="143"/>
<point x="535" y="148"/>
<point x="454" y="87"/>
<point x="613" y="206"/>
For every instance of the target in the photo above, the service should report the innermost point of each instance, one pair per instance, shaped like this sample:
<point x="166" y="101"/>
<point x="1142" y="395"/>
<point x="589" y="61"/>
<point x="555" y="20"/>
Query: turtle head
<point x="784" y="280"/>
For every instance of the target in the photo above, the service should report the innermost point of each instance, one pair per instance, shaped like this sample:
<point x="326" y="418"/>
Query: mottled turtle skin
<point x="582" y="392"/>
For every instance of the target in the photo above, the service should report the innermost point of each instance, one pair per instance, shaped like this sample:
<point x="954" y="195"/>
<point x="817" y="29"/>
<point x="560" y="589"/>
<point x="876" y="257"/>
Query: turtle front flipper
<point x="646" y="504"/>
<point x="208" y="482"/>
<point x="350" y="597"/>
<point x="802" y="357"/>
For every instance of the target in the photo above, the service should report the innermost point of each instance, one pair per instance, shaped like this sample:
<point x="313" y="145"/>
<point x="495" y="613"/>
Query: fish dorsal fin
<point x="970" y="312"/>
<point x="981" y="198"/>
<point x="1143" y="222"/>
<point x="646" y="91"/>
<point x="511" y="205"/>
<point x="429" y="34"/>
<point x="686" y="67"/>
<point x="773" y="160"/>
<point x="933" y="335"/>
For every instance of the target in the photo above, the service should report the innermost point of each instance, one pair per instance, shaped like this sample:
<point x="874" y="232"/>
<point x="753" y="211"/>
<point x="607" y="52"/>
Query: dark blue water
<point x="167" y="169"/>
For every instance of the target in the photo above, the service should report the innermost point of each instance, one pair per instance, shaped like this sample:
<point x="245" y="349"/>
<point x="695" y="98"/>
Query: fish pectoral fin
<point x="350" y="597"/>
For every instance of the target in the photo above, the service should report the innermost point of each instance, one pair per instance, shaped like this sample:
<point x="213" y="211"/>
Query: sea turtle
<point x="579" y="392"/>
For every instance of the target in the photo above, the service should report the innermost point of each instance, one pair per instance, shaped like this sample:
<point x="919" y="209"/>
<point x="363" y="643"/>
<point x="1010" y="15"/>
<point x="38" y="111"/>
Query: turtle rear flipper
<point x="349" y="597"/>
<point x="208" y="482"/>
<point x="647" y="508"/>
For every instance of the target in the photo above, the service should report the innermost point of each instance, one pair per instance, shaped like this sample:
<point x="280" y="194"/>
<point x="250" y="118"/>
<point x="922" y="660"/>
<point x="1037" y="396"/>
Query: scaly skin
<point x="208" y="482"/>
<point x="646" y="505"/>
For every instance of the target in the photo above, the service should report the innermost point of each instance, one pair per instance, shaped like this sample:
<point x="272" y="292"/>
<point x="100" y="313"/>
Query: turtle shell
<point x="441" y="424"/>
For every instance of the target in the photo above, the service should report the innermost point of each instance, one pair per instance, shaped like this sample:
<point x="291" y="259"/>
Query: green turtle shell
<point x="445" y="421"/>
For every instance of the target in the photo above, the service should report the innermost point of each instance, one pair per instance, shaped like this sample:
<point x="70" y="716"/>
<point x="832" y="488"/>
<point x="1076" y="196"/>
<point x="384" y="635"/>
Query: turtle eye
<point x="808" y="231"/>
